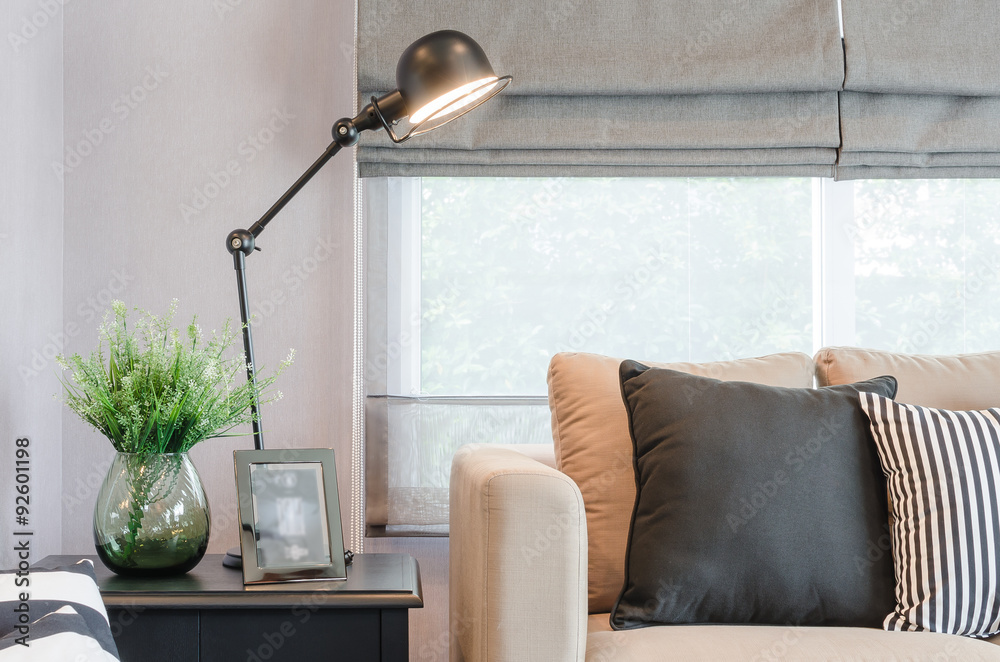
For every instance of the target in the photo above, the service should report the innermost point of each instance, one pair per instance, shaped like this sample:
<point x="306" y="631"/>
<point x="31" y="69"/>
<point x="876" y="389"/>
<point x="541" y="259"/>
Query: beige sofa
<point x="538" y="533"/>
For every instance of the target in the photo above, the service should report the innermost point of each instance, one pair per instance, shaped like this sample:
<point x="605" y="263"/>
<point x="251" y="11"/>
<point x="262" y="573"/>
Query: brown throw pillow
<point x="593" y="447"/>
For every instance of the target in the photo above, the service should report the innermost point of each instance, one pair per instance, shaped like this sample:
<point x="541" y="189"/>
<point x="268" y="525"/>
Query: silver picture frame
<point x="289" y="509"/>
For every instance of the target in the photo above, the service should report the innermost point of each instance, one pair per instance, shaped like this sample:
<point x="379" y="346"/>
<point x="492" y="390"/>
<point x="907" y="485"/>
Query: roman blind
<point x="715" y="87"/>
<point x="922" y="89"/>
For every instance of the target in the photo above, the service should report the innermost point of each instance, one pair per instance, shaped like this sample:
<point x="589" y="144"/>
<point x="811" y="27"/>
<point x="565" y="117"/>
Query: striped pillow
<point x="943" y="469"/>
<point x="62" y="619"/>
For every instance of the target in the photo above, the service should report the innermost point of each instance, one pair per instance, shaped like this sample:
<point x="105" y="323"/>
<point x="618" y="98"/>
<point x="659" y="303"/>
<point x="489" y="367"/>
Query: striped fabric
<point x="63" y="618"/>
<point x="943" y="469"/>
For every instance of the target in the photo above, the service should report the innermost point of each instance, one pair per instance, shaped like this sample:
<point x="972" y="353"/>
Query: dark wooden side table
<point x="209" y="615"/>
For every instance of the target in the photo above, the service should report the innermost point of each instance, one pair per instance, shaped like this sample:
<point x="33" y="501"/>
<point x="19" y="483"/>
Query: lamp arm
<point x="261" y="223"/>
<point x="239" y="263"/>
<point x="241" y="243"/>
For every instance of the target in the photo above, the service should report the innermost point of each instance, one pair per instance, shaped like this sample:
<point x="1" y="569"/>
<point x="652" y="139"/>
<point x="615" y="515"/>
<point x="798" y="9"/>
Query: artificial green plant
<point x="158" y="391"/>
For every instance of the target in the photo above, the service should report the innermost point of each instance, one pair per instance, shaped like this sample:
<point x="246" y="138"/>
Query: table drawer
<point x="296" y="635"/>
<point x="155" y="635"/>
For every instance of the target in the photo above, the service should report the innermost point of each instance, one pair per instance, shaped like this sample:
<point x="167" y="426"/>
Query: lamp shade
<point x="442" y="76"/>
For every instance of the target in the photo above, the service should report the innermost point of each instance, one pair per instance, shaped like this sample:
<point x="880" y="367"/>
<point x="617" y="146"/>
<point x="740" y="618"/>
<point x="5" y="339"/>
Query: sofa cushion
<point x="765" y="643"/>
<point x="593" y="447"/>
<point x="959" y="381"/>
<point x="755" y="504"/>
<point x="68" y="617"/>
<point x="57" y="636"/>
<point x="943" y="469"/>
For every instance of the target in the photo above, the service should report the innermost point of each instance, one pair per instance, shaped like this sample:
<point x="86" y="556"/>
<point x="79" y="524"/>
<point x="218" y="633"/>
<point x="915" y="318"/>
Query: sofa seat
<point x="519" y="589"/>
<point x="711" y="643"/>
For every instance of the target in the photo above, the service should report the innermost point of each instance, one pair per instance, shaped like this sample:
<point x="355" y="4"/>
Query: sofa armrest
<point x="517" y="559"/>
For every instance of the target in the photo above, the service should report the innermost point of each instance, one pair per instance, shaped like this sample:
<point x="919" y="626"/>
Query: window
<point x="926" y="268"/>
<point x="679" y="268"/>
<point x="474" y="283"/>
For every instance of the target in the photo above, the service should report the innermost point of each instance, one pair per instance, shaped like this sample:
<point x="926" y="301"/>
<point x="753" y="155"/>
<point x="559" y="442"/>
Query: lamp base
<point x="233" y="558"/>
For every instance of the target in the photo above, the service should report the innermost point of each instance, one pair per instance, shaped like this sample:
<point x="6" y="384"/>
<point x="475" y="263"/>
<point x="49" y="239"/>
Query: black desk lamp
<point x="439" y="77"/>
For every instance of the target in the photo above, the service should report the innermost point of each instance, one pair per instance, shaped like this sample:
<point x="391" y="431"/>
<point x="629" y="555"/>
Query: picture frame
<point x="289" y="510"/>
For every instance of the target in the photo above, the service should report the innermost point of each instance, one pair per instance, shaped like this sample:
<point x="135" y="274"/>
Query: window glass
<point x="925" y="265"/>
<point x="488" y="278"/>
<point x="514" y="270"/>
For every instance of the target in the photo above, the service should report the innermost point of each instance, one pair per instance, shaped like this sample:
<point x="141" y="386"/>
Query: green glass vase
<point x="151" y="517"/>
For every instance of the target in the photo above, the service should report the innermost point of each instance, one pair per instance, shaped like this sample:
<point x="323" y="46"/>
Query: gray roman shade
<point x="922" y="89"/>
<point x="714" y="87"/>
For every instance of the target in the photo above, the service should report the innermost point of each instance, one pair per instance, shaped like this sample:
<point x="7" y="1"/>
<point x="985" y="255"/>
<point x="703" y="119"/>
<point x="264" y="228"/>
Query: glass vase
<point x="151" y="517"/>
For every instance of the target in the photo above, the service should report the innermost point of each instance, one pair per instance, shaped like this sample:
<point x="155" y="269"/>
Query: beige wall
<point x="183" y="121"/>
<point x="31" y="268"/>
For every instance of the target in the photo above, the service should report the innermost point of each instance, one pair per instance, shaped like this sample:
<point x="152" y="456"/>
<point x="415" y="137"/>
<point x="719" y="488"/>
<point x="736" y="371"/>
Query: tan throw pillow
<point x="593" y="446"/>
<point x="957" y="381"/>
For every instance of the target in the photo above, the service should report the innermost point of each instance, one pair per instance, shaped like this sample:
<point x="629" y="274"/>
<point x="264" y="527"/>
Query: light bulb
<point x="457" y="98"/>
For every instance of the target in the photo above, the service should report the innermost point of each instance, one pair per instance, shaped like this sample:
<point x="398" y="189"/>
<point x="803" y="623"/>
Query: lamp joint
<point x="345" y="132"/>
<point x="240" y="241"/>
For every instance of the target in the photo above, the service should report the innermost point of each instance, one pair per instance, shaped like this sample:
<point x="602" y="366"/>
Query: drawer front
<point x="295" y="635"/>
<point x="154" y="635"/>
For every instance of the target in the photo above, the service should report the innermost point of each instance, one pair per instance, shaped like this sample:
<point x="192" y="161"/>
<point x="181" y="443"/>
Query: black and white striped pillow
<point x="943" y="469"/>
<point x="64" y="618"/>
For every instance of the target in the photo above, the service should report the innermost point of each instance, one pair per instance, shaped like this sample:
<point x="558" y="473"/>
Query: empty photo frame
<point x="290" y="526"/>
